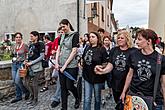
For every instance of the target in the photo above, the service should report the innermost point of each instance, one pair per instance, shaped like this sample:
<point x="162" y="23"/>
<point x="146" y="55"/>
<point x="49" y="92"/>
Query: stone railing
<point x="6" y="85"/>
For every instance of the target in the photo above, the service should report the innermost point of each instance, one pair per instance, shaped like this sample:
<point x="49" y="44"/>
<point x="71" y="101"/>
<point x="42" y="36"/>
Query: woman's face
<point x="81" y="39"/>
<point x="121" y="40"/>
<point x="85" y="38"/>
<point x="60" y="32"/>
<point x="45" y="40"/>
<point x="18" y="38"/>
<point x="65" y="28"/>
<point x="93" y="39"/>
<point x="106" y="42"/>
<point x="33" y="38"/>
<point x="141" y="42"/>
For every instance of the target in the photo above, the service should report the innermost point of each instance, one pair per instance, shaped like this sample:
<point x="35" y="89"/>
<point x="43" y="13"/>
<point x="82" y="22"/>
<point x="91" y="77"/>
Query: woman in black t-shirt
<point x="35" y="56"/>
<point x="108" y="46"/>
<point x="141" y="75"/>
<point x="93" y="55"/>
<point x="118" y="63"/>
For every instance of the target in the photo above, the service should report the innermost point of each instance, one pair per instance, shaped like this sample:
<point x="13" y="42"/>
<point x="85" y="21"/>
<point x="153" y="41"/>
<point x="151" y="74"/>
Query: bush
<point x="5" y="56"/>
<point x="5" y="53"/>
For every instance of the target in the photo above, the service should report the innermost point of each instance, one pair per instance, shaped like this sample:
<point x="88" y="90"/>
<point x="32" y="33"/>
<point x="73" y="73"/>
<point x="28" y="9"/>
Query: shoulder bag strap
<point x="157" y="77"/>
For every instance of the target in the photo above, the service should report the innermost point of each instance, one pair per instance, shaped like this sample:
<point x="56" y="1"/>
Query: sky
<point x="131" y="12"/>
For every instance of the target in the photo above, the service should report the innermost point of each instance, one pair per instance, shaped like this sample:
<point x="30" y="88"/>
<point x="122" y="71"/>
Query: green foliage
<point x="5" y="56"/>
<point x="5" y="53"/>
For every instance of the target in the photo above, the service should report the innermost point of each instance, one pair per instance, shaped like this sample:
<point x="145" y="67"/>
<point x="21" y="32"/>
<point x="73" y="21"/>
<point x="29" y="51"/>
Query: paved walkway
<point x="45" y="101"/>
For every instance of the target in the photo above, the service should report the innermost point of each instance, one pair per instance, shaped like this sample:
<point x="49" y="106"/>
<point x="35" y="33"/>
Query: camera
<point x="14" y="59"/>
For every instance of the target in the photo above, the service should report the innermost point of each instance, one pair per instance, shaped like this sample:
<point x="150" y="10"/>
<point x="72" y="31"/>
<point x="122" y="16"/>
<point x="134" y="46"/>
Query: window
<point x="102" y="13"/>
<point x="94" y="10"/>
<point x="95" y="5"/>
<point x="108" y="4"/>
<point x="9" y="36"/>
<point x="52" y="34"/>
<point x="108" y="20"/>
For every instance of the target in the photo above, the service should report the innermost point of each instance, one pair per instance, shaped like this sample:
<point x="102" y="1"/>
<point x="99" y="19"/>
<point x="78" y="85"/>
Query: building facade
<point x="100" y="16"/>
<point x="157" y="17"/>
<point x="41" y="15"/>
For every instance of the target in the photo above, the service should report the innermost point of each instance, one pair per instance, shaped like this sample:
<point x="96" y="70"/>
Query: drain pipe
<point x="78" y="19"/>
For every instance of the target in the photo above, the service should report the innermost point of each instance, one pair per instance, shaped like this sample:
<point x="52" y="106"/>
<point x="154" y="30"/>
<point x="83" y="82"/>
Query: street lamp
<point x="93" y="13"/>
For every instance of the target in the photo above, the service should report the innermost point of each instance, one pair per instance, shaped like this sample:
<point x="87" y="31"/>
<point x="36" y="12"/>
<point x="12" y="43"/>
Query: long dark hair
<point x="99" y="43"/>
<point x="66" y="22"/>
<point x="35" y="33"/>
<point x="18" y="33"/>
<point x="47" y="37"/>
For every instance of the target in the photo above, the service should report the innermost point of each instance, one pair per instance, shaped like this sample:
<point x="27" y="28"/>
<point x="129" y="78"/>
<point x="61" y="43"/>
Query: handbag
<point x="23" y="72"/>
<point x="45" y="63"/>
<point x="37" y="67"/>
<point x="137" y="101"/>
<point x="33" y="69"/>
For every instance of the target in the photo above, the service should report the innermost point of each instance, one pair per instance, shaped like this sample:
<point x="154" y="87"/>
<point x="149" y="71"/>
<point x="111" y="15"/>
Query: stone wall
<point x="6" y="85"/>
<point x="5" y="74"/>
<point x="6" y="89"/>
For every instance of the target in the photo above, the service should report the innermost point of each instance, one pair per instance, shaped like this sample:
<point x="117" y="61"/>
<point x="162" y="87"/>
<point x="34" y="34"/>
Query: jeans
<point x="57" y="95"/>
<point x="20" y="88"/>
<point x="88" y="88"/>
<point x="159" y="107"/>
<point x="109" y="78"/>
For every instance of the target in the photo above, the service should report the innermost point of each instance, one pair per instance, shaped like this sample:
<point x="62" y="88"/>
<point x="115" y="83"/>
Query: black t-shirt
<point x="120" y="61"/>
<point x="108" y="52"/>
<point x="35" y="50"/>
<point x="93" y="56"/>
<point x="144" y="67"/>
<point x="75" y="40"/>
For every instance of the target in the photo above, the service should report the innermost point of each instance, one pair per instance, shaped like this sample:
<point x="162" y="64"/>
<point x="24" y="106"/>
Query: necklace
<point x="18" y="47"/>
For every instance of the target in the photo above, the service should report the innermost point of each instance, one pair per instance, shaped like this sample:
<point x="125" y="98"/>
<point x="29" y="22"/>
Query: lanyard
<point x="19" y="47"/>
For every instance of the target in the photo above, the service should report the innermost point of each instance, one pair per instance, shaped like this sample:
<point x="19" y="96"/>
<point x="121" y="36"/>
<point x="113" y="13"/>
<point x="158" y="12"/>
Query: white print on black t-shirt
<point x="120" y="62"/>
<point x="30" y="53"/>
<point x="88" y="57"/>
<point x="144" y="72"/>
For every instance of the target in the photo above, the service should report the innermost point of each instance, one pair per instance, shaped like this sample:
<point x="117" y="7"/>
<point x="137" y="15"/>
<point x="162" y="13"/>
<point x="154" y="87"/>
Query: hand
<point x="62" y="69"/>
<point x="98" y="69"/>
<point x="80" y="66"/>
<point x="28" y="64"/>
<point x="53" y="51"/>
<point x="57" y="66"/>
<point x="122" y="97"/>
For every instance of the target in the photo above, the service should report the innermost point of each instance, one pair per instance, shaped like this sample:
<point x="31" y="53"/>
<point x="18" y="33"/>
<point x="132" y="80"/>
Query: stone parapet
<point x="6" y="88"/>
<point x="6" y="85"/>
<point x="5" y="70"/>
<point x="5" y="64"/>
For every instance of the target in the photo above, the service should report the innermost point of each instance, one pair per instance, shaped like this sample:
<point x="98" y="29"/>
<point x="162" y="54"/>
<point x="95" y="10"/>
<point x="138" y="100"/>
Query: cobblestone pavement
<point x="45" y="101"/>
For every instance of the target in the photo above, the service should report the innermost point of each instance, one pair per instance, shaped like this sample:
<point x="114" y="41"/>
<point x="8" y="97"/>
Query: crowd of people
<point x="125" y="68"/>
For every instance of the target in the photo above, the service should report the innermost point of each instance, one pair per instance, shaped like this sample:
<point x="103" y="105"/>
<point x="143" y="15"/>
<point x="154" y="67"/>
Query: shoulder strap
<point x="61" y="40"/>
<point x="86" y="48"/>
<point x="157" y="77"/>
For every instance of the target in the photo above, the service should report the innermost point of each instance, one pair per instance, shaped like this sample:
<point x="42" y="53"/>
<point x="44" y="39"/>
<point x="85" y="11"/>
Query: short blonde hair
<point x="128" y="37"/>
